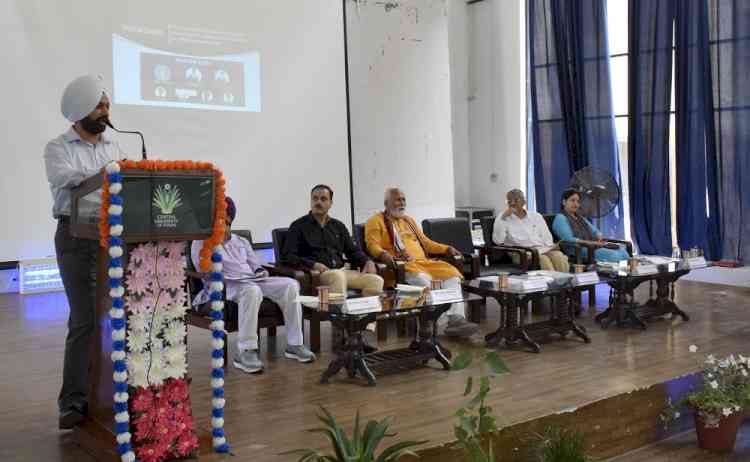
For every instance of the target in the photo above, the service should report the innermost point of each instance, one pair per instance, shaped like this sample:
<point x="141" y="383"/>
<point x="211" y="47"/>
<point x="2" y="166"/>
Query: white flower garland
<point x="117" y="315"/>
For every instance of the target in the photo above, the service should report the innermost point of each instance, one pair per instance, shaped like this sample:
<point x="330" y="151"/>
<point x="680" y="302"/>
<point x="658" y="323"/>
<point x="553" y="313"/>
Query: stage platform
<point x="612" y="388"/>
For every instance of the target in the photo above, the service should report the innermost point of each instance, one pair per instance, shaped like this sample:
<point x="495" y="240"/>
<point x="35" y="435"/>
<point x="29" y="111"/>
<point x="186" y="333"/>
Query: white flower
<point x="156" y="375"/>
<point x="693" y="348"/>
<point x="175" y="354"/>
<point x="727" y="411"/>
<point x="175" y="312"/>
<point x="174" y="333"/>
<point x="137" y="341"/>
<point x="710" y="375"/>
<point x="139" y="322"/>
<point x="714" y="384"/>
<point x="711" y="359"/>
<point x="737" y="409"/>
<point x="676" y="415"/>
<point x="723" y="363"/>
<point x="744" y="372"/>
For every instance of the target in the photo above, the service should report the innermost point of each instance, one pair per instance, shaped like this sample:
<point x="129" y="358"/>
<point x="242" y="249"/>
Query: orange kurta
<point x="378" y="240"/>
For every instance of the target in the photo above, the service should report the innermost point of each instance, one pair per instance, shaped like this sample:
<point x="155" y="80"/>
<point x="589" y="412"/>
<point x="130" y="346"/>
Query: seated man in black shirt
<point x="318" y="242"/>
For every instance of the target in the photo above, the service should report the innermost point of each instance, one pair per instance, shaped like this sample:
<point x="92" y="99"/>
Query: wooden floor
<point x="684" y="448"/>
<point x="268" y="413"/>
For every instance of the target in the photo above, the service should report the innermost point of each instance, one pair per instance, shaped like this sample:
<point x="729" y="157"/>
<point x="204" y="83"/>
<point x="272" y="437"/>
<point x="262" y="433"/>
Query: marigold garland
<point x="220" y="206"/>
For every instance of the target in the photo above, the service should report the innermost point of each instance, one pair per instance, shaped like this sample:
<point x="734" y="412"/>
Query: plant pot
<point x="721" y="438"/>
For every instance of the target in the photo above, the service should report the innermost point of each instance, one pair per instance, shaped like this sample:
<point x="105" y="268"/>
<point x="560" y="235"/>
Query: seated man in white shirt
<point x="517" y="226"/>
<point x="246" y="284"/>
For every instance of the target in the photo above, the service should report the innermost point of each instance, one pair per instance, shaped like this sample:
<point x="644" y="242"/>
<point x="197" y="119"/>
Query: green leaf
<point x="461" y="361"/>
<point x="495" y="363"/>
<point x="397" y="450"/>
<point x="469" y="383"/>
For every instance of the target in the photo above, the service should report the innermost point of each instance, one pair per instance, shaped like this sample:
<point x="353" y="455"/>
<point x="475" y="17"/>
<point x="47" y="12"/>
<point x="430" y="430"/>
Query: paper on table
<point x="409" y="288"/>
<point x="306" y="299"/>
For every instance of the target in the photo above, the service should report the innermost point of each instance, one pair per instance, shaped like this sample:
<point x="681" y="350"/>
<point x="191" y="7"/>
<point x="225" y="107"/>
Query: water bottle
<point x="676" y="252"/>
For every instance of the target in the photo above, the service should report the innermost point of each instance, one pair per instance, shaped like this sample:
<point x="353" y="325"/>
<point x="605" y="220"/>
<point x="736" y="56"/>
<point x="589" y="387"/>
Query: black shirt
<point x="308" y="243"/>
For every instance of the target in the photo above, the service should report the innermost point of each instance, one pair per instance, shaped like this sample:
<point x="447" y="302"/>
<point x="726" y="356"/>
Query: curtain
<point x="729" y="40"/>
<point x="697" y="194"/>
<point x="650" y="26"/>
<point x="571" y="99"/>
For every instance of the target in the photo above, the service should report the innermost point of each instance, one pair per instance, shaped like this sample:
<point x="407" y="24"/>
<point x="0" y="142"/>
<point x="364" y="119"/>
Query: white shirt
<point x="69" y="160"/>
<point x="530" y="231"/>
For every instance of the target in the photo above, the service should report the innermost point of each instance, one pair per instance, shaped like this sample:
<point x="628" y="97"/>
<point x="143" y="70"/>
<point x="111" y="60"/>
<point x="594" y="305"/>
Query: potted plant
<point x="476" y="418"/>
<point x="561" y="445"/>
<point x="719" y="403"/>
<point x="360" y="447"/>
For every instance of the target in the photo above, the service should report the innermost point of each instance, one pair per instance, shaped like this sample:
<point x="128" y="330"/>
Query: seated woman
<point x="569" y="225"/>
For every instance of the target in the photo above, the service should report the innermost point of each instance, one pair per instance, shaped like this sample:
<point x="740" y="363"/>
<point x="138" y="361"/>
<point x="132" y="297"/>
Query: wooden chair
<point x="311" y="282"/>
<point x="269" y="316"/>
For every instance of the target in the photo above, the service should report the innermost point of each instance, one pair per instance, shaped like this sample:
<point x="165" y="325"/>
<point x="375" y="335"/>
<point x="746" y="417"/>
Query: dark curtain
<point x="729" y="45"/>
<point x="696" y="168"/>
<point x="650" y="25"/>
<point x="571" y="99"/>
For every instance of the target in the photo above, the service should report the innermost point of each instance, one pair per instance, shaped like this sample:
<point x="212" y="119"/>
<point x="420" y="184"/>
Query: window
<point x="617" y="35"/>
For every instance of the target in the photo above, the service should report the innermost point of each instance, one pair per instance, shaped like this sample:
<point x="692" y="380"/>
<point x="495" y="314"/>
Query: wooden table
<point x="424" y="347"/>
<point x="627" y="312"/>
<point x="513" y="329"/>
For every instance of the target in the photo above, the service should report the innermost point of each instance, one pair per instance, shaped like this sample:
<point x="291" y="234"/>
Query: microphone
<point x="134" y="132"/>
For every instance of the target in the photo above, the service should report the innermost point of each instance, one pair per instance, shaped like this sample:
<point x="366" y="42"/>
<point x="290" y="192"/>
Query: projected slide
<point x="150" y="77"/>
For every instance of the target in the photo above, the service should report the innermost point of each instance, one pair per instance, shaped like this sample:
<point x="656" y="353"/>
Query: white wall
<point x="399" y="78"/>
<point x="488" y="67"/>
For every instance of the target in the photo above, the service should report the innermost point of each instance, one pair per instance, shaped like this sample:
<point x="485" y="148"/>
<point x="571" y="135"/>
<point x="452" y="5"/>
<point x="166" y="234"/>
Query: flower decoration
<point x="724" y="390"/>
<point x="153" y="369"/>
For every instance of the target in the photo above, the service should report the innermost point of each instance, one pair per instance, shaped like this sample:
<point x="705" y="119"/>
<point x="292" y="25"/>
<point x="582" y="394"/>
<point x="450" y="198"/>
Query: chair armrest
<point x="628" y="245"/>
<point x="578" y="246"/>
<point x="286" y="271"/>
<point x="476" y="265"/>
<point x="196" y="275"/>
<point x="522" y="252"/>
<point x="455" y="260"/>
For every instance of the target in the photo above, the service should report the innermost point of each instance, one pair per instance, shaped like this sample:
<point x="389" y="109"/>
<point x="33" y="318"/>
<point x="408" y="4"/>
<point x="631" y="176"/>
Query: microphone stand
<point x="143" y="143"/>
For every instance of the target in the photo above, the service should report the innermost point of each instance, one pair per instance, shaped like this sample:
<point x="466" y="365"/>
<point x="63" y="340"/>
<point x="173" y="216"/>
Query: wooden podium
<point x="144" y="219"/>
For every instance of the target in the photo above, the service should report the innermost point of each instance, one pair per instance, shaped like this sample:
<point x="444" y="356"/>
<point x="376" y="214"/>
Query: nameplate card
<point x="362" y="305"/>
<point x="694" y="263"/>
<point x="585" y="278"/>
<point x="644" y="270"/>
<point x="446" y="295"/>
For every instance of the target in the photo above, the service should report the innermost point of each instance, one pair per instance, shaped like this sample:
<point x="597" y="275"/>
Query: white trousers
<point x="249" y="295"/>
<point x="425" y="280"/>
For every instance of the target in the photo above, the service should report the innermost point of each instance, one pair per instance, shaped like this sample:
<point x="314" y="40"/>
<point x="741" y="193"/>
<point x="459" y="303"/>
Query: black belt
<point x="64" y="219"/>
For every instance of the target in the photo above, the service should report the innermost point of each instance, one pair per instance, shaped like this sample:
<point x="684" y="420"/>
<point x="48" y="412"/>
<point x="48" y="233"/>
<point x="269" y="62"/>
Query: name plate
<point x="644" y="270"/>
<point x="362" y="305"/>
<point x="586" y="278"/>
<point x="694" y="263"/>
<point x="446" y="295"/>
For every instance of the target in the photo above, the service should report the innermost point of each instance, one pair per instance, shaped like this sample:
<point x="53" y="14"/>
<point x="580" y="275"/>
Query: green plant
<point x="725" y="390"/>
<point x="475" y="418"/>
<point x="362" y="445"/>
<point x="561" y="445"/>
<point x="167" y="198"/>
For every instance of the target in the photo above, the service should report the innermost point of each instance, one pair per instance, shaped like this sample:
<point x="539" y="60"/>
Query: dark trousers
<point x="76" y="259"/>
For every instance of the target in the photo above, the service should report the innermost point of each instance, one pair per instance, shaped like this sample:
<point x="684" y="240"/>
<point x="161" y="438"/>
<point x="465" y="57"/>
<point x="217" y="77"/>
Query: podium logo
<point x="166" y="199"/>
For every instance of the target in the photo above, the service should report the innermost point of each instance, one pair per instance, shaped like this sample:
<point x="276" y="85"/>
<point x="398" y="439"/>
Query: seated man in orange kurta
<point x="392" y="235"/>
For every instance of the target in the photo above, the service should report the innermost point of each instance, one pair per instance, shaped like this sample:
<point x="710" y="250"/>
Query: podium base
<point x="96" y="440"/>
<point x="99" y="442"/>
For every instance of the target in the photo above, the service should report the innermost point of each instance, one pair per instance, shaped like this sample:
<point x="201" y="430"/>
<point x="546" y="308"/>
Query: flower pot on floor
<point x="721" y="438"/>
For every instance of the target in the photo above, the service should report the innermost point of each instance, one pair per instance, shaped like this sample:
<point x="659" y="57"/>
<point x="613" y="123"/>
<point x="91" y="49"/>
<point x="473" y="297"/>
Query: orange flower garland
<point x="220" y="205"/>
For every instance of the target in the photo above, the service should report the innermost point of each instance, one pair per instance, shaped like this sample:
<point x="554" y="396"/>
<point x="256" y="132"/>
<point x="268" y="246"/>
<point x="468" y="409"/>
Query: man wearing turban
<point x="69" y="159"/>
<point x="247" y="282"/>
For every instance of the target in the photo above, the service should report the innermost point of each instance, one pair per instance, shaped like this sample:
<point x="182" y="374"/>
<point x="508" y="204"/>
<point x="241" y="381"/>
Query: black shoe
<point x="70" y="418"/>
